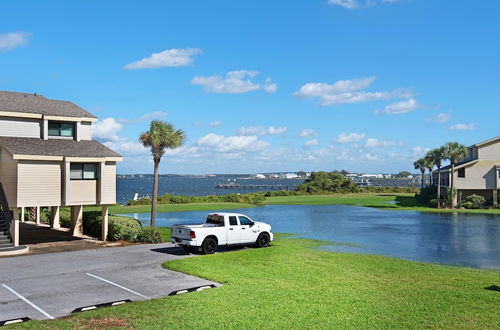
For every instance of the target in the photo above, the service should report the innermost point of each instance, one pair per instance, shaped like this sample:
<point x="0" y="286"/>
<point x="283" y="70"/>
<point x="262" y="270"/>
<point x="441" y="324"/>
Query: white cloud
<point x="349" y="138"/>
<point x="419" y="151"/>
<point x="107" y="129"/>
<point x="146" y="116"/>
<point x="344" y="155"/>
<point x="215" y="123"/>
<point x="375" y="143"/>
<point x="269" y="86"/>
<point x="276" y="130"/>
<point x="127" y="147"/>
<point x="401" y="107"/>
<point x="440" y="118"/>
<point x="356" y="4"/>
<point x="347" y="91"/>
<point x="167" y="58"/>
<point x="369" y="156"/>
<point x="221" y="143"/>
<point x="463" y="127"/>
<point x="257" y="130"/>
<point x="348" y="4"/>
<point x="307" y="132"/>
<point x="311" y="143"/>
<point x="9" y="41"/>
<point x="235" y="82"/>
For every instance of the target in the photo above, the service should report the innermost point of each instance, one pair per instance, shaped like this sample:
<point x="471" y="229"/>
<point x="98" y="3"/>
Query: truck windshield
<point x="215" y="219"/>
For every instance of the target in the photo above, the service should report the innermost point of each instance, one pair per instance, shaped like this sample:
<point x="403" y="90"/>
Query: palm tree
<point x="437" y="156"/>
<point x="161" y="136"/>
<point x="454" y="151"/>
<point x="420" y="164"/>
<point x="429" y="164"/>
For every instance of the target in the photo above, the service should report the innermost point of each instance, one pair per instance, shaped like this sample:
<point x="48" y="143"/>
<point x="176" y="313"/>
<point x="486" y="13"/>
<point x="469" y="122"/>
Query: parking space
<point x="54" y="285"/>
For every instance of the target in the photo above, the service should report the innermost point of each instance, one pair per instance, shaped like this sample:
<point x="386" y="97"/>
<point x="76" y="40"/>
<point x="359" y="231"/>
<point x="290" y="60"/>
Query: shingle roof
<point x="56" y="147"/>
<point x="38" y="104"/>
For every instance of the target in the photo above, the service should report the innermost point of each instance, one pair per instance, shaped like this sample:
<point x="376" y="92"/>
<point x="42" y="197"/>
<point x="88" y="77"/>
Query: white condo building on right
<point x="478" y="173"/>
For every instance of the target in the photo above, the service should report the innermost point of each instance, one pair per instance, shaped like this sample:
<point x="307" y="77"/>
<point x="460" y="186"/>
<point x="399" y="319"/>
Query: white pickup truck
<point x="221" y="229"/>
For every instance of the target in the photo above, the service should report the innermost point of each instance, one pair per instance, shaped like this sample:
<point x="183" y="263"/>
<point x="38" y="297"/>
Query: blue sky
<point x="261" y="86"/>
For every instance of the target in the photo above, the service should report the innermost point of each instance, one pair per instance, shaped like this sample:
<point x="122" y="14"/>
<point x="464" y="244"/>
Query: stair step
<point x="2" y="245"/>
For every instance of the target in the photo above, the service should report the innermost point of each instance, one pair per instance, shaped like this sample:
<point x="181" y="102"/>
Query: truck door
<point x="247" y="235"/>
<point x="233" y="231"/>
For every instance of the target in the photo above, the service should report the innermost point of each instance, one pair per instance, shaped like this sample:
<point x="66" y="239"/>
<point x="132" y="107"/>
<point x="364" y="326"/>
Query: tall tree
<point x="454" y="151"/>
<point x="160" y="137"/>
<point x="437" y="157"/>
<point x="429" y="164"/>
<point x="420" y="165"/>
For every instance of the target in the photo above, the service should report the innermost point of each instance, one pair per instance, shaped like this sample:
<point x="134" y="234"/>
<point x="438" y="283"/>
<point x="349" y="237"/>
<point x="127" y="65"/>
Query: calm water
<point x="190" y="185"/>
<point x="464" y="240"/>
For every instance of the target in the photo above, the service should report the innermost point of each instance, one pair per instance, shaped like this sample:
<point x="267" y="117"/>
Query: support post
<point x="54" y="217"/>
<point x="22" y="214"/>
<point x="495" y="197"/>
<point x="37" y="219"/>
<point x="77" y="220"/>
<point x="104" y="224"/>
<point x="14" y="227"/>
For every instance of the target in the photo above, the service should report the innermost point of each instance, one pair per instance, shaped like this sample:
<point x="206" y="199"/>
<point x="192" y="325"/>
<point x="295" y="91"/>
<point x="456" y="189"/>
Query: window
<point x="61" y="129"/>
<point x="461" y="173"/>
<point x="245" y="221"/>
<point x="80" y="171"/>
<point x="233" y="221"/>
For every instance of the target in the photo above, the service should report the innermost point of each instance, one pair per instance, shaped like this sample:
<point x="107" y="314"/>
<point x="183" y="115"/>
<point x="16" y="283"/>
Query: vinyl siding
<point x="83" y="192"/>
<point x="481" y="175"/>
<point x="85" y="131"/>
<point x="20" y="127"/>
<point x="490" y="152"/>
<point x="108" y="178"/>
<point x="39" y="183"/>
<point x="8" y="176"/>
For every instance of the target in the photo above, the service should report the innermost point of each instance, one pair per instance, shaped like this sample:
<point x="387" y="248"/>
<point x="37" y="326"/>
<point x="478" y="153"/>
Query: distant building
<point x="291" y="176"/>
<point x="260" y="176"/>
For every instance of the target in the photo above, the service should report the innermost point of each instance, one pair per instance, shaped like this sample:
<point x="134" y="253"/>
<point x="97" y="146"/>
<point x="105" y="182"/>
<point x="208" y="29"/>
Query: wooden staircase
<point x="7" y="247"/>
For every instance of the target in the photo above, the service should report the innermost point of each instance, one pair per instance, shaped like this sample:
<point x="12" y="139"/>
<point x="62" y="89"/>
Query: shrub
<point x="467" y="205"/>
<point x="426" y="195"/>
<point x="476" y="201"/>
<point x="149" y="235"/>
<point x="123" y="229"/>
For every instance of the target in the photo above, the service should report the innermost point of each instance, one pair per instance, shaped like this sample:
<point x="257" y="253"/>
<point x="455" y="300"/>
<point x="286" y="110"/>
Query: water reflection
<point x="458" y="239"/>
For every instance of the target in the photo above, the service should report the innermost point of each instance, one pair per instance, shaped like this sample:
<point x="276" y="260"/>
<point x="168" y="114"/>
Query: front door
<point x="247" y="235"/>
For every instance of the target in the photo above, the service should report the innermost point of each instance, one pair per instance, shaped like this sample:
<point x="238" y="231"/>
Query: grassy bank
<point x="120" y="209"/>
<point x="292" y="285"/>
<point x="387" y="201"/>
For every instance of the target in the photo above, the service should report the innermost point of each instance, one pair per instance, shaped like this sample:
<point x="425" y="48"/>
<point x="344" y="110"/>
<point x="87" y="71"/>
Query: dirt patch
<point x="104" y="323"/>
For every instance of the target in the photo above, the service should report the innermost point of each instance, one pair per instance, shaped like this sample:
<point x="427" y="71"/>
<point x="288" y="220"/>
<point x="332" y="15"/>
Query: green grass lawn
<point x="293" y="285"/>
<point x="120" y="209"/>
<point x="406" y="201"/>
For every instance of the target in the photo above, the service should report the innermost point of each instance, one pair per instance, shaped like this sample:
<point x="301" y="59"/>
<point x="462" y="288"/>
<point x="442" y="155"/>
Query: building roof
<point x="56" y="147"/>
<point x="38" y="104"/>
<point x="495" y="139"/>
<point x="460" y="165"/>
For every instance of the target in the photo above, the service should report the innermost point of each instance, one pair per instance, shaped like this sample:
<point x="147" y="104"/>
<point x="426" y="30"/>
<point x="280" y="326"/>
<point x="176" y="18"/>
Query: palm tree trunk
<point x="423" y="176"/>
<point x="430" y="178"/>
<point x="439" y="188"/>
<point x="452" y="201"/>
<point x="155" y="193"/>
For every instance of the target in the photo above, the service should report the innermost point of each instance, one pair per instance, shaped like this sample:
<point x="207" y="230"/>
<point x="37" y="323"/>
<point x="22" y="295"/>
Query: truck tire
<point x="209" y="245"/>
<point x="263" y="240"/>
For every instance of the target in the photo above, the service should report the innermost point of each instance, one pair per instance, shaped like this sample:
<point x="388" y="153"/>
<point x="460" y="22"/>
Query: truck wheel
<point x="263" y="240"/>
<point x="209" y="246"/>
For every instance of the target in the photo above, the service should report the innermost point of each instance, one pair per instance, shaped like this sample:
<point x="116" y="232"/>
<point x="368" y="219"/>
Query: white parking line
<point x="117" y="285"/>
<point x="47" y="315"/>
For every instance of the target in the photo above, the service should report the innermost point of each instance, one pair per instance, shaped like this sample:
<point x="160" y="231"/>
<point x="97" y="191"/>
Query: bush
<point x="467" y="205"/>
<point x="149" y="235"/>
<point x="252" y="198"/>
<point x="378" y="189"/>
<point x="123" y="229"/>
<point x="476" y="201"/>
<point x="426" y="195"/>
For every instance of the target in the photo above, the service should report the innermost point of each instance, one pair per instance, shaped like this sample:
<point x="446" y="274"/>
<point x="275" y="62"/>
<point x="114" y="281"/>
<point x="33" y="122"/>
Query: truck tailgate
<point x="181" y="232"/>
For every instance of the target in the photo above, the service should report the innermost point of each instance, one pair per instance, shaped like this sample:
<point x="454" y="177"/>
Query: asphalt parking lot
<point x="55" y="285"/>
